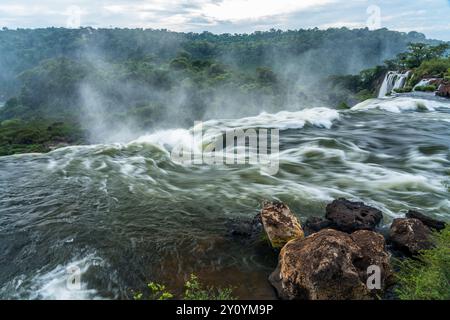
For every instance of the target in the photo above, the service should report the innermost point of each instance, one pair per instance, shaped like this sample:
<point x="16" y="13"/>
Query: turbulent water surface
<point x="126" y="213"/>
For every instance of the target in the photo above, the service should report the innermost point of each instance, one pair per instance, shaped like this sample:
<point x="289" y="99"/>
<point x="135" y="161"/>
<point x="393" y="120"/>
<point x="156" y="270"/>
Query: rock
<point x="429" y="222"/>
<point x="444" y="90"/>
<point x="330" y="264"/>
<point x="249" y="229"/>
<point x="373" y="248"/>
<point x="351" y="216"/>
<point x="280" y="224"/>
<point x="410" y="235"/>
<point x="315" y="224"/>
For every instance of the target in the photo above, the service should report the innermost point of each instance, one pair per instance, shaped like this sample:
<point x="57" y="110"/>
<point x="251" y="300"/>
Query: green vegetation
<point x="17" y="136"/>
<point x="427" y="277"/>
<point x="403" y="90"/>
<point x="417" y="54"/>
<point x="424" y="60"/>
<point x="356" y="88"/>
<point x="435" y="68"/>
<point x="94" y="79"/>
<point x="193" y="290"/>
<point x="343" y="106"/>
<point x="429" y="88"/>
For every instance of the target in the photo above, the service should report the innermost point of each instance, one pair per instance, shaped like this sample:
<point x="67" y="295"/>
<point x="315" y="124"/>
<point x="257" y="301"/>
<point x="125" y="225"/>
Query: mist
<point x="124" y="83"/>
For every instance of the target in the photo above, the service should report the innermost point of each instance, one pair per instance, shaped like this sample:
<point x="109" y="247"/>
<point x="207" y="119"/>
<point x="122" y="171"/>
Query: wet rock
<point x="410" y="235"/>
<point x="320" y="267"/>
<point x="429" y="222"/>
<point x="246" y="228"/>
<point x="280" y="224"/>
<point x="373" y="249"/>
<point x="351" y="216"/>
<point x="444" y="90"/>
<point x="315" y="224"/>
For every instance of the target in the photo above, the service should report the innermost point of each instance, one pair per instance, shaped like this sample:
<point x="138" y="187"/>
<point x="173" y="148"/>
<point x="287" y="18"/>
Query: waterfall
<point x="393" y="80"/>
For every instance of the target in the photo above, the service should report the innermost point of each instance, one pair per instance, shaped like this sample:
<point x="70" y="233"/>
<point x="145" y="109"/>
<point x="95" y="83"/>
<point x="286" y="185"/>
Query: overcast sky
<point x="431" y="17"/>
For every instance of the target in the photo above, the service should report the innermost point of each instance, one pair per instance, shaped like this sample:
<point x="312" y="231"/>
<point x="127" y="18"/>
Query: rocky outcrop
<point x="373" y="248"/>
<point x="329" y="264"/>
<point x="351" y="216"/>
<point x="429" y="222"/>
<point x="280" y="224"/>
<point x="409" y="235"/>
<point x="444" y="90"/>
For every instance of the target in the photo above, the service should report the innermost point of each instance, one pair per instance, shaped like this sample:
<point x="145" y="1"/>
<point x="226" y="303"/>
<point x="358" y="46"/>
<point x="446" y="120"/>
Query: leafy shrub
<point x="431" y="68"/>
<point x="427" y="277"/>
<point x="193" y="290"/>
<point x="429" y="88"/>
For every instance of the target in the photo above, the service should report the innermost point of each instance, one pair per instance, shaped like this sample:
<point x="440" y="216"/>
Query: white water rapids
<point x="126" y="214"/>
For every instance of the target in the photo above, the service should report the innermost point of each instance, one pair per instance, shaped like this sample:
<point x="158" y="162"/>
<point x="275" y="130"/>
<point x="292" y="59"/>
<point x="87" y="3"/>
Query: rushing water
<point x="126" y="214"/>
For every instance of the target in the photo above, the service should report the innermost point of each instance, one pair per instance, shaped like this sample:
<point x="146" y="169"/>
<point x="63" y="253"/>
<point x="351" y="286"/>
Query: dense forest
<point x="75" y="85"/>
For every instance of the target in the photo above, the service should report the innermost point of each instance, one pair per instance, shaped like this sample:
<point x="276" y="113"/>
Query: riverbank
<point x="38" y="136"/>
<point x="346" y="255"/>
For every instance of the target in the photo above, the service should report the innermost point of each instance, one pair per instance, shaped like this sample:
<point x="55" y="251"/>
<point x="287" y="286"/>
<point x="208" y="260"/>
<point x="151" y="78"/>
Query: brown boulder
<point x="373" y="247"/>
<point x="444" y="90"/>
<point x="351" y="216"/>
<point x="329" y="264"/>
<point x="410" y="235"/>
<point x="280" y="224"/>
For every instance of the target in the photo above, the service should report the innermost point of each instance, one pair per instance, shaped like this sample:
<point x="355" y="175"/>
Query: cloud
<point x="238" y="10"/>
<point x="231" y="16"/>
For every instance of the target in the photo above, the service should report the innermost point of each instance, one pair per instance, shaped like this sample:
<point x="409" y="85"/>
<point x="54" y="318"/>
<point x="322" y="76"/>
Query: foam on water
<point x="166" y="138"/>
<point x="319" y="117"/>
<point x="53" y="285"/>
<point x="401" y="104"/>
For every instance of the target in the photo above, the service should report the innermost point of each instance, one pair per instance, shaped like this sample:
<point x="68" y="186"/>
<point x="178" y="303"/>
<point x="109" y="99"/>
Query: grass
<point x="193" y="290"/>
<point x="427" y="276"/>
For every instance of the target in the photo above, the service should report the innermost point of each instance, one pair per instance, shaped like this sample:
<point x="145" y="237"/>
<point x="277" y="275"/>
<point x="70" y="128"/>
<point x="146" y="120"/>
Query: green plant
<point x="365" y="95"/>
<point x="429" y="88"/>
<point x="194" y="290"/>
<point x="343" y="106"/>
<point x="403" y="90"/>
<point x="157" y="292"/>
<point x="427" y="276"/>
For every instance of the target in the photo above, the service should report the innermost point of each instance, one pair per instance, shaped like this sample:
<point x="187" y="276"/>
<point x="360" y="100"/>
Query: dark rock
<point x="351" y="216"/>
<point x="250" y="229"/>
<point x="429" y="222"/>
<point x="329" y="264"/>
<point x="315" y="224"/>
<point x="280" y="224"/>
<point x="410" y="235"/>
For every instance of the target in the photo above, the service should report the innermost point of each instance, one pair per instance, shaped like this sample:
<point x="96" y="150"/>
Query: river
<point x="125" y="214"/>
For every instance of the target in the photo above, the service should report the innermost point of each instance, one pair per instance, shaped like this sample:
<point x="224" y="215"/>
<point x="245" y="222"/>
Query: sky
<point x="431" y="17"/>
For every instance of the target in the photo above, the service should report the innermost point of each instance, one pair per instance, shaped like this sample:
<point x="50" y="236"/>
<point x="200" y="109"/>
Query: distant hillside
<point x="303" y="54"/>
